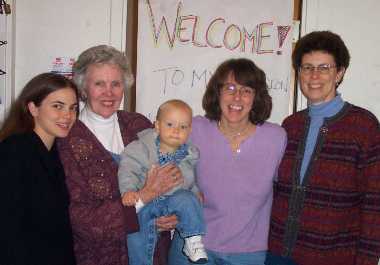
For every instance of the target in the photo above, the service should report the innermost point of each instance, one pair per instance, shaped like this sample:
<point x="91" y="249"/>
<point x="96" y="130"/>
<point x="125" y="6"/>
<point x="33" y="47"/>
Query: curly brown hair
<point x="246" y="73"/>
<point x="324" y="41"/>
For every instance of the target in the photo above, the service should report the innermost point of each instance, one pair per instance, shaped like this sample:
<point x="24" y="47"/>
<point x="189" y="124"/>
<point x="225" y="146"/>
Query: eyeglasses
<point x="322" y="69"/>
<point x="232" y="89"/>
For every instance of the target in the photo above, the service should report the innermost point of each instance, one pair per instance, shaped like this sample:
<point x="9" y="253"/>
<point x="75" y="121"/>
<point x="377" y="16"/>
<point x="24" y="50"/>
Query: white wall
<point x="45" y="29"/>
<point x="6" y="61"/>
<point x="357" y="22"/>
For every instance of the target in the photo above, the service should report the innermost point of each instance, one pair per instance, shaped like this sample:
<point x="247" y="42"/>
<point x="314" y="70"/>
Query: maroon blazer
<point x="334" y="216"/>
<point x="98" y="218"/>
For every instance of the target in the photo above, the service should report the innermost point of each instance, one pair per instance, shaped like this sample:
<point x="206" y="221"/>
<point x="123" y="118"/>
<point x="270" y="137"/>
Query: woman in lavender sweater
<point x="240" y="153"/>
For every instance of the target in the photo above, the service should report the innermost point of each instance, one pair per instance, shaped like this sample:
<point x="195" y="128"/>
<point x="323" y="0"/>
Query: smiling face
<point x="173" y="127"/>
<point x="104" y="88"/>
<point x="55" y="116"/>
<point x="316" y="86"/>
<point x="235" y="106"/>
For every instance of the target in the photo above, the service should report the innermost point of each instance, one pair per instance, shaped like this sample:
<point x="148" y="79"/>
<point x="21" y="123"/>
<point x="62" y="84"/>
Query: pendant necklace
<point x="233" y="136"/>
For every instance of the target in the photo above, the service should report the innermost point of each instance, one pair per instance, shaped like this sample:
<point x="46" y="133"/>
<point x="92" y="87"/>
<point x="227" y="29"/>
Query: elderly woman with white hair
<point x="90" y="156"/>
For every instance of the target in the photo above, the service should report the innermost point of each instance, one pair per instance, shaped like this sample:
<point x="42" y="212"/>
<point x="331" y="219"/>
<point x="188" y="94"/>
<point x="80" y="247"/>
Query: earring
<point x="83" y="96"/>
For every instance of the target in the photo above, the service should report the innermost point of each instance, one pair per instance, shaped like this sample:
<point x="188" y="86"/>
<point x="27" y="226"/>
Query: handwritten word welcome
<point x="219" y="33"/>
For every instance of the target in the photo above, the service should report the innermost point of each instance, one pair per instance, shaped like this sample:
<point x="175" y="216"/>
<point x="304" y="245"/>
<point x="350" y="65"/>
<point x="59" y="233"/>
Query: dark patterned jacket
<point x="98" y="218"/>
<point x="333" y="218"/>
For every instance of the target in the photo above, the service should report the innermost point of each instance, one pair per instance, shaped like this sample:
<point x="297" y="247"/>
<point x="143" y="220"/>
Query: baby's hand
<point x="130" y="198"/>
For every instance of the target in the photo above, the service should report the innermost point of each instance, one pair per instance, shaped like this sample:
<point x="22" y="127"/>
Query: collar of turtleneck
<point x="318" y="113"/>
<point x="96" y="119"/>
<point x="106" y="130"/>
<point x="326" y="109"/>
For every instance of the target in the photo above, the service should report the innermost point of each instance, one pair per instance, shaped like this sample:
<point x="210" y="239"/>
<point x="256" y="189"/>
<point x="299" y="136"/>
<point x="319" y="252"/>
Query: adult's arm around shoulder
<point x="284" y="141"/>
<point x="281" y="139"/>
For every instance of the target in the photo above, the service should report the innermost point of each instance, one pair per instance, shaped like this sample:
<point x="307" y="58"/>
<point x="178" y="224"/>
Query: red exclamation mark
<point x="282" y="33"/>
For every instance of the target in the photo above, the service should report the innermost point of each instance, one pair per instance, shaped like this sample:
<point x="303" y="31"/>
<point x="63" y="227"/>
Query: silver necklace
<point x="233" y="135"/>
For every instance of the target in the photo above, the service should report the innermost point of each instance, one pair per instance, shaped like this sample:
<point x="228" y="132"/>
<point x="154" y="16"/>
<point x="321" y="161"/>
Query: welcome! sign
<point x="180" y="43"/>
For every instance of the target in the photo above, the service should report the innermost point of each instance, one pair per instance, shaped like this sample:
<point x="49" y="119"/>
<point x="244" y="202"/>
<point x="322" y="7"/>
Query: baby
<point x="166" y="143"/>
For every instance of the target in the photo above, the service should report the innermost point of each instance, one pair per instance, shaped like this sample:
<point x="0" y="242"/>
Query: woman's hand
<point x="159" y="181"/>
<point x="201" y="197"/>
<point x="166" y="223"/>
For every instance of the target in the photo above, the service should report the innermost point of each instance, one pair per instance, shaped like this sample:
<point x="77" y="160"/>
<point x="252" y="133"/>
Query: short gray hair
<point x="101" y="54"/>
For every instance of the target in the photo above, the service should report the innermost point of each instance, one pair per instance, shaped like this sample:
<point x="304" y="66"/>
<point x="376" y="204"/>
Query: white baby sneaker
<point x="195" y="250"/>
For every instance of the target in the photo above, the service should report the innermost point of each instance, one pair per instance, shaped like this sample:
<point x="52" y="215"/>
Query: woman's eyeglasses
<point x="232" y="89"/>
<point x="323" y="69"/>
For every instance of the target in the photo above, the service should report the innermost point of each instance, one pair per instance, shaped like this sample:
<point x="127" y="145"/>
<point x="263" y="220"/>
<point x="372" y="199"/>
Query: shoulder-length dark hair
<point x="19" y="119"/>
<point x="246" y="73"/>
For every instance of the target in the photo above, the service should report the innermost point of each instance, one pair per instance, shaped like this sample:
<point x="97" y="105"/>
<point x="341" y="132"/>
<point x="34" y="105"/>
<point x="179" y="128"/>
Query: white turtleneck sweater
<point x="106" y="130"/>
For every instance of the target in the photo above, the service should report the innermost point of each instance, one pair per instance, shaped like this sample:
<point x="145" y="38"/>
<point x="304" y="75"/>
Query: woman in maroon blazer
<point x="90" y="156"/>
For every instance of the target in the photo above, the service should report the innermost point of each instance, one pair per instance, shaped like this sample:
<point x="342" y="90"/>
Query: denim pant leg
<point x="176" y="255"/>
<point x="247" y="258"/>
<point x="189" y="211"/>
<point x="141" y="244"/>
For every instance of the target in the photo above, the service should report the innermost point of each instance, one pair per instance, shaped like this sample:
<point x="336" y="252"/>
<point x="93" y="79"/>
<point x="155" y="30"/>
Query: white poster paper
<point x="180" y="44"/>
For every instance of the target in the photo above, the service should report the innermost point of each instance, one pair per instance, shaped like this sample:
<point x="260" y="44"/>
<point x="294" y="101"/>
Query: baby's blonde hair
<point x="174" y="103"/>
